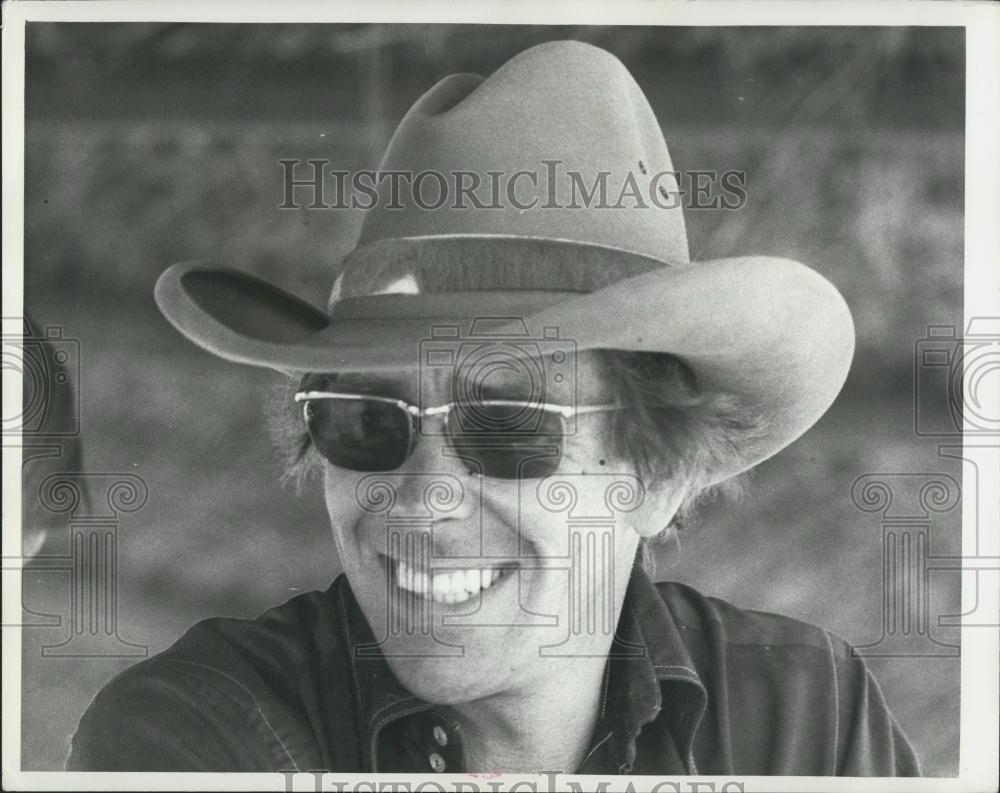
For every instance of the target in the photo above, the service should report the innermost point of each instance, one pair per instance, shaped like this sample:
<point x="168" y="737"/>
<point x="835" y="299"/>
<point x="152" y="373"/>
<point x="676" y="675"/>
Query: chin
<point x="450" y="681"/>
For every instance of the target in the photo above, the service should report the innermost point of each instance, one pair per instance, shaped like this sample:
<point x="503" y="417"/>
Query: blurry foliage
<point x="766" y="48"/>
<point x="713" y="72"/>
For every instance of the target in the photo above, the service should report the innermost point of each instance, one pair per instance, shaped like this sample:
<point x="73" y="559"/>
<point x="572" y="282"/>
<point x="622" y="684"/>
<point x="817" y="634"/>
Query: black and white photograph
<point x="494" y="400"/>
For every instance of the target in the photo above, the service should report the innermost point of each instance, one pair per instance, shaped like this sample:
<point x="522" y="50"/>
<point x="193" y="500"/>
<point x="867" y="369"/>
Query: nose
<point x="431" y="484"/>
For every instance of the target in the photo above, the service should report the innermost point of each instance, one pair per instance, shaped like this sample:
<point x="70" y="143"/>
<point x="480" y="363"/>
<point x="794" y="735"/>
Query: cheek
<point x="606" y="488"/>
<point x="345" y="513"/>
<point x="590" y="450"/>
<point x="582" y="514"/>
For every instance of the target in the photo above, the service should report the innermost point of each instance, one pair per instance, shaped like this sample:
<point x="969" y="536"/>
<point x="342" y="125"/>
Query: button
<point x="440" y="735"/>
<point x="437" y="762"/>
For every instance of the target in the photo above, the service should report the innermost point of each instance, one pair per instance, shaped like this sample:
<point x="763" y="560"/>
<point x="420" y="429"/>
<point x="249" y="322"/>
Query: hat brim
<point x="771" y="331"/>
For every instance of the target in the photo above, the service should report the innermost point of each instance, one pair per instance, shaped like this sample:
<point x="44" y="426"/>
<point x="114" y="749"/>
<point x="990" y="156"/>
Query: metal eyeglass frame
<point x="415" y="413"/>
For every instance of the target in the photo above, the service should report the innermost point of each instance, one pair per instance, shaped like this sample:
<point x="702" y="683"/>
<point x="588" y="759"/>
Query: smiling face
<point x="475" y="585"/>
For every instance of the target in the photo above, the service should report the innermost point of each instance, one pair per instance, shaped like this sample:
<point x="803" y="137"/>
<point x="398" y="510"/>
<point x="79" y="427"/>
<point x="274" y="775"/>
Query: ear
<point x="658" y="508"/>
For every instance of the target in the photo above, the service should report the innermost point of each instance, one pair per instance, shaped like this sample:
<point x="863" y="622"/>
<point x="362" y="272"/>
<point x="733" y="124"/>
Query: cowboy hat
<point x="575" y="232"/>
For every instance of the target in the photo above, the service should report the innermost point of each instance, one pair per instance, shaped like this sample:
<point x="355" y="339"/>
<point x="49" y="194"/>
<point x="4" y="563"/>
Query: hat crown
<point x="560" y="143"/>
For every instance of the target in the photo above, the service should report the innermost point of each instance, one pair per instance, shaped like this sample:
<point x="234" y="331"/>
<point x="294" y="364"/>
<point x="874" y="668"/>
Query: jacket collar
<point x="649" y="670"/>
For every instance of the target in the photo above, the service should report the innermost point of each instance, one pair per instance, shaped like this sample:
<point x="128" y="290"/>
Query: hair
<point x="300" y="462"/>
<point x="672" y="432"/>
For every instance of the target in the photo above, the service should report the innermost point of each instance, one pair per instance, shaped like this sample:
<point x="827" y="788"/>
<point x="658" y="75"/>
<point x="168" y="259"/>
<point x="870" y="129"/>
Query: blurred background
<point x="148" y="144"/>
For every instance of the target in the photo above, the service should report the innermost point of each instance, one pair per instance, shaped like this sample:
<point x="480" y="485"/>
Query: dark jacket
<point x="694" y="686"/>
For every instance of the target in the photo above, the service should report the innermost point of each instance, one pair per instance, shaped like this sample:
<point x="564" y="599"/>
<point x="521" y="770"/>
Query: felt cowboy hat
<point x="569" y="227"/>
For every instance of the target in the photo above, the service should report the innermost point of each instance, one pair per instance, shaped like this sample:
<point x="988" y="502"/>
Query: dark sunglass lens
<point x="506" y="440"/>
<point x="360" y="434"/>
<point x="508" y="460"/>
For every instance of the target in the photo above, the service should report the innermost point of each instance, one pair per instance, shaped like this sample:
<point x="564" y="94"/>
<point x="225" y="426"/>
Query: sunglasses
<point x="498" y="438"/>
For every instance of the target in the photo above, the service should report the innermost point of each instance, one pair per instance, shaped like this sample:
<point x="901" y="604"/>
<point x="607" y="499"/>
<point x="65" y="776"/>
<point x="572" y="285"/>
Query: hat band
<point x="454" y="306"/>
<point x="469" y="264"/>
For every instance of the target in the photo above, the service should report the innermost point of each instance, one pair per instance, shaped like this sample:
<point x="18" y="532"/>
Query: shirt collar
<point x="379" y="696"/>
<point x="649" y="670"/>
<point x="651" y="676"/>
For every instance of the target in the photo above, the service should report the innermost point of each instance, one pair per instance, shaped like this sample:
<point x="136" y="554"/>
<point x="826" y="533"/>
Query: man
<point x="513" y="390"/>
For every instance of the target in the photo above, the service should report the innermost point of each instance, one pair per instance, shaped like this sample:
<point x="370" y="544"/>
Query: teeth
<point x="453" y="586"/>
